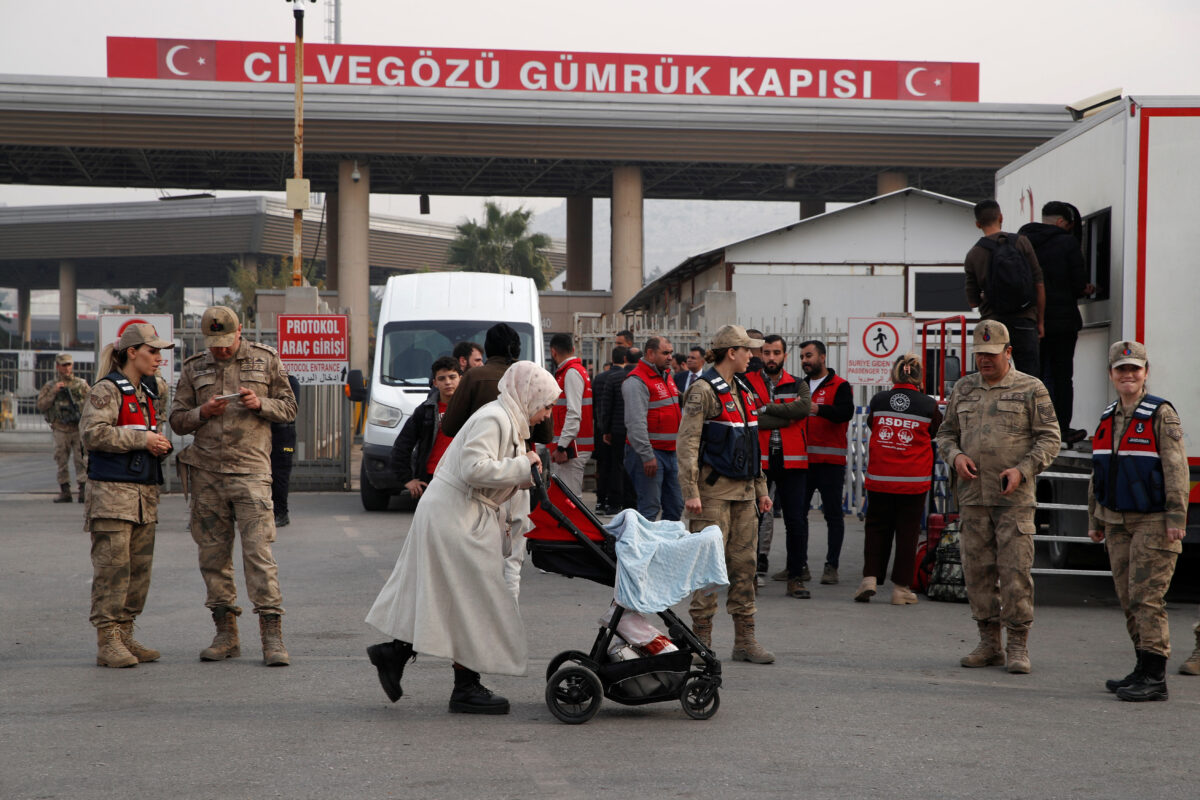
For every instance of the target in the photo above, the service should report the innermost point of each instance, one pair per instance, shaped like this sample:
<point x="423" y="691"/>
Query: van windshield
<point x="411" y="347"/>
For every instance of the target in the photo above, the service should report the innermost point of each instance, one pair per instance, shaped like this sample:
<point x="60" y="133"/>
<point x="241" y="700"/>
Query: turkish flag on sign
<point x="187" y="59"/>
<point x="922" y="80"/>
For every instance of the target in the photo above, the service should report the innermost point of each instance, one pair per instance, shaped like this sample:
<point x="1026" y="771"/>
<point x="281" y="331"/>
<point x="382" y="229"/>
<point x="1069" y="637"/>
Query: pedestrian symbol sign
<point x="874" y="343"/>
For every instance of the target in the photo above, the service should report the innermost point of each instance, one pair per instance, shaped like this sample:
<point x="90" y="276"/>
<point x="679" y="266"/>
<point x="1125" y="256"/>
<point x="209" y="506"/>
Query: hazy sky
<point x="1029" y="51"/>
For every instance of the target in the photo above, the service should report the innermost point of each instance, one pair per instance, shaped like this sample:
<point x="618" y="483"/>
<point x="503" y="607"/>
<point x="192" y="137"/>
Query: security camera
<point x="356" y="176"/>
<point x="1091" y="105"/>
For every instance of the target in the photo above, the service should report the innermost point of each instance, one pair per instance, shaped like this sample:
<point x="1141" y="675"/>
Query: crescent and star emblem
<point x="171" y="59"/>
<point x="908" y="79"/>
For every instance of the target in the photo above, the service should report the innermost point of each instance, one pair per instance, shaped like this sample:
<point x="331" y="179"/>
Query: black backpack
<point x="1009" y="283"/>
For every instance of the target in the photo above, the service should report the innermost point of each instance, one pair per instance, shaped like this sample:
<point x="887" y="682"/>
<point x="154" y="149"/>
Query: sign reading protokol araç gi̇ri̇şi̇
<point x="314" y="348"/>
<point x="544" y="71"/>
<point x="873" y="345"/>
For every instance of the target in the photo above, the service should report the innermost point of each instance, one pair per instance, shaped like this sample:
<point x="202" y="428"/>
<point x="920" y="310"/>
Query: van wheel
<point x="372" y="499"/>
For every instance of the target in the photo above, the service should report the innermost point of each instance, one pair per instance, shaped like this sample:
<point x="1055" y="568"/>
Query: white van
<point x="421" y="318"/>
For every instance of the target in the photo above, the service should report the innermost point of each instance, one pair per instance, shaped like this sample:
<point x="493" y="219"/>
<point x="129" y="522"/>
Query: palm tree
<point x="502" y="244"/>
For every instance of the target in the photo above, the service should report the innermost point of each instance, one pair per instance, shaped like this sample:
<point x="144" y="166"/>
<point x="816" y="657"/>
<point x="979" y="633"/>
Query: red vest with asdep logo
<point x="827" y="440"/>
<point x="900" y="456"/>
<point x="664" y="416"/>
<point x="584" y="439"/>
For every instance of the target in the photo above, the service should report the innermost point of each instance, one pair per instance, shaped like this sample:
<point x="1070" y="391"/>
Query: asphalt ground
<point x="864" y="700"/>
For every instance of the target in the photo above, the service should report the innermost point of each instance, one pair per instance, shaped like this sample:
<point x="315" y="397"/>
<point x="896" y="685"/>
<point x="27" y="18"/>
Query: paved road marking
<point x="353" y="533"/>
<point x="368" y="551"/>
<point x="340" y="518"/>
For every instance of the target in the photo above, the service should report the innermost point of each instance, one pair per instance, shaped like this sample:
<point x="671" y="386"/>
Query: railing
<point x="941" y="370"/>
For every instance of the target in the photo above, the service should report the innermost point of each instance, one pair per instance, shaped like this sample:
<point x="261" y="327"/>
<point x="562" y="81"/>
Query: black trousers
<point x="601" y="453"/>
<point x="620" y="485"/>
<point x="1023" y="336"/>
<point x="1058" y="372"/>
<point x="829" y="481"/>
<point x="891" y="515"/>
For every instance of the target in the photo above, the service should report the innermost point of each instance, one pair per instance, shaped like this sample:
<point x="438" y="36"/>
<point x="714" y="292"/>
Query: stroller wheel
<point x="573" y="694"/>
<point x="564" y="657"/>
<point x="699" y="696"/>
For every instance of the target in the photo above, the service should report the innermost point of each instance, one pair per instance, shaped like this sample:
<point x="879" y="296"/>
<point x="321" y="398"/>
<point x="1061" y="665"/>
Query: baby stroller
<point x="569" y="540"/>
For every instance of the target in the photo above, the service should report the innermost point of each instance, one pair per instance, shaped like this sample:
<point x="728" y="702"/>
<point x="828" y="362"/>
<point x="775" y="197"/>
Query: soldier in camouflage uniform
<point x="228" y="471"/>
<point x="62" y="401"/>
<point x="714" y="495"/>
<point x="120" y="431"/>
<point x="1000" y="431"/>
<point x="1137" y="502"/>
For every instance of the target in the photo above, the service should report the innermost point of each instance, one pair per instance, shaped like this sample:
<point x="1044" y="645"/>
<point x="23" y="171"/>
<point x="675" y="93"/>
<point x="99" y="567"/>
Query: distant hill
<point x="674" y="229"/>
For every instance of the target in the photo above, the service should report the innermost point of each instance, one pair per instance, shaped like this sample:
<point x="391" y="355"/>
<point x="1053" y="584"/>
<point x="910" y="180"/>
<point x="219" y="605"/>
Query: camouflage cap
<point x="142" y="333"/>
<point x="733" y="336"/>
<point x="64" y="358"/>
<point x="220" y="326"/>
<point x="990" y="337"/>
<point x="1127" y="353"/>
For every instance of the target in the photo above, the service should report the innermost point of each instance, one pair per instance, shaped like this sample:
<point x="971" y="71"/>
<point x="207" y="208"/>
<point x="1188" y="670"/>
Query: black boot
<point x="81" y="493"/>
<point x="1152" y="685"/>
<point x="472" y="697"/>
<point x="64" y="493"/>
<point x="1112" y="684"/>
<point x="389" y="659"/>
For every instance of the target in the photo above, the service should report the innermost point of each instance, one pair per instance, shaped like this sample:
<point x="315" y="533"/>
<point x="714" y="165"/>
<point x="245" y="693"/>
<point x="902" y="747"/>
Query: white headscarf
<point x="526" y="388"/>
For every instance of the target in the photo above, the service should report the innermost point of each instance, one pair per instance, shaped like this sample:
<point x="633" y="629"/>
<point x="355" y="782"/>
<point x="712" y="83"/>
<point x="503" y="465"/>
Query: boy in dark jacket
<point x="421" y="442"/>
<point x="1066" y="280"/>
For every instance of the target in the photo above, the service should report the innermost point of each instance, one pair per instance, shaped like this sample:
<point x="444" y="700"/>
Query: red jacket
<point x="662" y="420"/>
<point x="795" y="435"/>
<point x="584" y="440"/>
<point x="826" y="439"/>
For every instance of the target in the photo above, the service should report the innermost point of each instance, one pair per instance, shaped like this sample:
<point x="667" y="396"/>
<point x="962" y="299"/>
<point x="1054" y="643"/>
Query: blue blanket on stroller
<point x="661" y="563"/>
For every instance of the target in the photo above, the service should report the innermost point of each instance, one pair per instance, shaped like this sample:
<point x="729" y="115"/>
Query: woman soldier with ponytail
<point x="119" y="429"/>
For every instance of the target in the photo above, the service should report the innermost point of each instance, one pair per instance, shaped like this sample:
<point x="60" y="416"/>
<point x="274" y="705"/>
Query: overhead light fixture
<point x="424" y="203"/>
<point x="1092" y="105"/>
<point x="789" y="178"/>
<point x="356" y="176"/>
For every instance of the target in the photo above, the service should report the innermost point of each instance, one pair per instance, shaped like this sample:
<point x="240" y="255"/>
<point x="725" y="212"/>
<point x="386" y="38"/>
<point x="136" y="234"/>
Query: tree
<point x="502" y="244"/>
<point x="168" y="300"/>
<point x="272" y="273"/>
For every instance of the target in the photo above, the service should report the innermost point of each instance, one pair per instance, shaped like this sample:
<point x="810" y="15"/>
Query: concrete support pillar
<point x="627" y="237"/>
<point x="354" y="229"/>
<point x="24" y="316"/>
<point x="579" y="244"/>
<point x="249" y="261"/>
<point x="331" y="241"/>
<point x="68" y="304"/>
<point x="887" y="182"/>
<point x="811" y="208"/>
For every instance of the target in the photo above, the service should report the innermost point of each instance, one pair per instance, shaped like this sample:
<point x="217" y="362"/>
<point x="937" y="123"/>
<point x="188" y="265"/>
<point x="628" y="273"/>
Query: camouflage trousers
<point x="1143" y="562"/>
<point x="218" y="502"/>
<point x="68" y="446"/>
<point x="997" y="554"/>
<point x="738" y="522"/>
<point x="121" y="556"/>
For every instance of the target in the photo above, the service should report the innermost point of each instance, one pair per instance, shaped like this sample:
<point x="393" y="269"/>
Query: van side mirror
<point x="356" y="386"/>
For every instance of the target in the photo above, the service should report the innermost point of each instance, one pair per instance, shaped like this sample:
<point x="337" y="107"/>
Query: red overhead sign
<point x="544" y="71"/>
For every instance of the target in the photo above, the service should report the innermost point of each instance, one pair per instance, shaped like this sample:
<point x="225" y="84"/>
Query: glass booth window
<point x="1097" y="251"/>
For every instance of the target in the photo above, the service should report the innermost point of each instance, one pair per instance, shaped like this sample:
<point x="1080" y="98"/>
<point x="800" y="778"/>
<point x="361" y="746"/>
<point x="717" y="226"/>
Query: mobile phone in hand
<point x="1004" y="483"/>
<point x="228" y="396"/>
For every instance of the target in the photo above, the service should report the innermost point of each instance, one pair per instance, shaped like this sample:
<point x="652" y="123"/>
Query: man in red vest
<point x="573" y="440"/>
<point x="832" y="410"/>
<point x="784" y="453"/>
<point x="652" y="416"/>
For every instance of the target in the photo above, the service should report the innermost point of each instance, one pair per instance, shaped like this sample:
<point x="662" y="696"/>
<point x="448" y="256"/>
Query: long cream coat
<point x="447" y="594"/>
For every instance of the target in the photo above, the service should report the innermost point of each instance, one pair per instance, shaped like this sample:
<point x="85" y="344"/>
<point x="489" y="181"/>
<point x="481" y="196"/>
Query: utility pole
<point x="297" y="186"/>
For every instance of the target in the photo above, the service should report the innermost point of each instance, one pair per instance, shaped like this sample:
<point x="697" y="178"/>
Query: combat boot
<point x="472" y="697"/>
<point x="745" y="646"/>
<point x="1151" y="685"/>
<point x="139" y="650"/>
<point x="389" y="660"/>
<point x="796" y="588"/>
<point x="111" y="651"/>
<point x="987" y="653"/>
<point x="1192" y="665"/>
<point x="81" y="493"/>
<point x="64" y="494"/>
<point x="270" y="628"/>
<point x="702" y="627"/>
<point x="1018" y="655"/>
<point x="1112" y="684"/>
<point x="225" y="644"/>
<point x="829" y="576"/>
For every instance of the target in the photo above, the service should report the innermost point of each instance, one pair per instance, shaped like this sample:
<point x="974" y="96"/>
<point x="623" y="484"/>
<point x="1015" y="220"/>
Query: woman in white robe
<point x="447" y="595"/>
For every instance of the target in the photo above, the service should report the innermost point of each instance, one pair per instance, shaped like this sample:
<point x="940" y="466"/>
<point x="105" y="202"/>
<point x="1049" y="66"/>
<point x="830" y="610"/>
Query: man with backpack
<point x="1004" y="281"/>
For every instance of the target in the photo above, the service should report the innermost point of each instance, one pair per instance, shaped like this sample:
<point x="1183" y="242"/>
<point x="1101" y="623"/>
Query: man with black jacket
<point x="1066" y="280"/>
<point x="620" y="491"/>
<point x="421" y="442"/>
<point x="608" y="494"/>
<point x="283" y="452"/>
